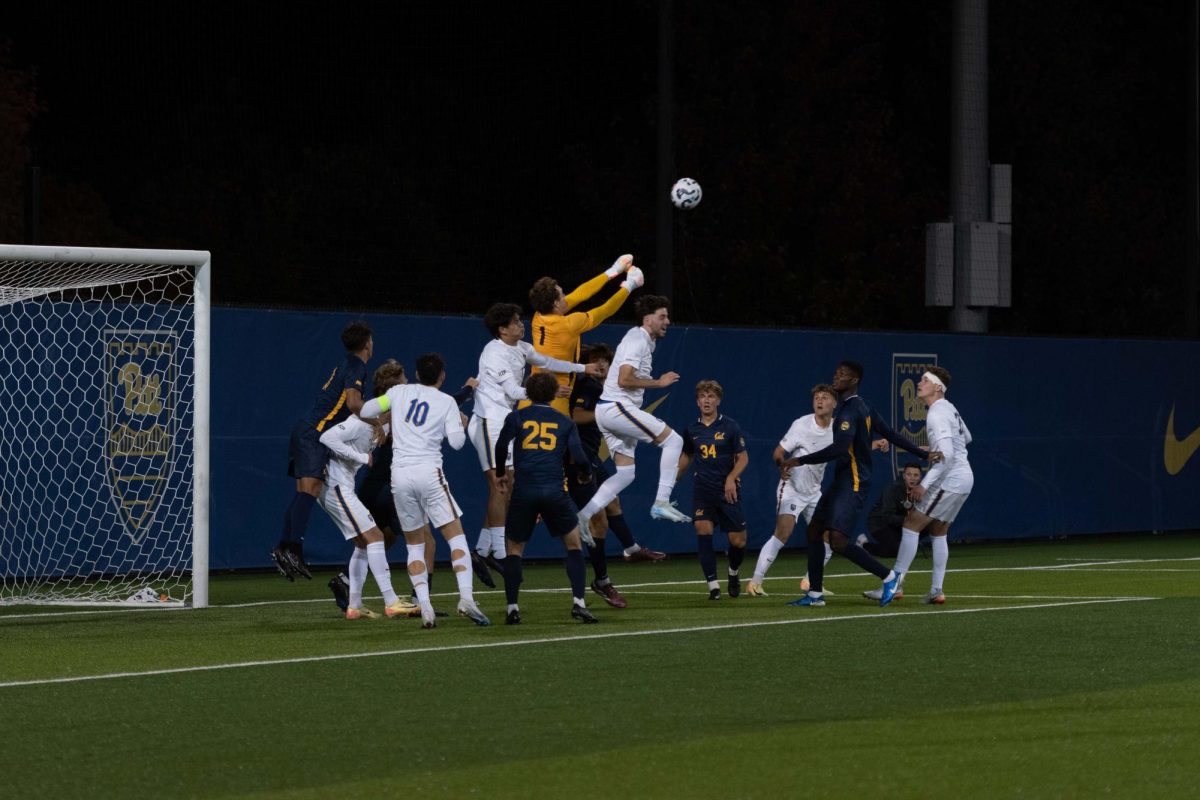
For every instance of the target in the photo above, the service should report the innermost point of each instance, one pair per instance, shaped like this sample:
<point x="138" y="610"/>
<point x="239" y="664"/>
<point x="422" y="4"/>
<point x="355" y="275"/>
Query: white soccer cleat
<point x="877" y="594"/>
<point x="934" y="598"/>
<point x="667" y="511"/>
<point x="428" y="618"/>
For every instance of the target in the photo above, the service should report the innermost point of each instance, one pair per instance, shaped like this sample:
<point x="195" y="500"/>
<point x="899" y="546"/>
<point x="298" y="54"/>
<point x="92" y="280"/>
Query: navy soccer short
<point x="839" y="508"/>
<point x="580" y="493"/>
<point x="710" y="506"/>
<point x="383" y="508"/>
<point x="553" y="505"/>
<point x="306" y="455"/>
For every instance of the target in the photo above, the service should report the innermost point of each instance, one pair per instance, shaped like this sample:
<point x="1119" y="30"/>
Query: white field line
<point x="553" y="640"/>
<point x="623" y="587"/>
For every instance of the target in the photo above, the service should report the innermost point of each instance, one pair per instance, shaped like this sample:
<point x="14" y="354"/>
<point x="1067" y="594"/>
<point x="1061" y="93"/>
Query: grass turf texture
<point x="1003" y="692"/>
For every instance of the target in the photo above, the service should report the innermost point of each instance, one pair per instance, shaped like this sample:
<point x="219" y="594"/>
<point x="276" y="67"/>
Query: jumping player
<point x="341" y="396"/>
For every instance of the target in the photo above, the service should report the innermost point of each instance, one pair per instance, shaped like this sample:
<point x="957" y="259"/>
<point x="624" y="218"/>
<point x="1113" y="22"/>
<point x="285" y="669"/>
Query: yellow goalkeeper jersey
<point x="557" y="335"/>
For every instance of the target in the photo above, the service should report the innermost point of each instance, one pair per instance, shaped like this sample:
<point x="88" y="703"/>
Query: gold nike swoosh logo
<point x="648" y="409"/>
<point x="1176" y="452"/>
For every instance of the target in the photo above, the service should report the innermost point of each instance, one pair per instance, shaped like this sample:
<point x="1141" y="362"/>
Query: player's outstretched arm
<point x="842" y="440"/>
<point x="374" y="407"/>
<point x="898" y="439"/>
<point x="335" y="439"/>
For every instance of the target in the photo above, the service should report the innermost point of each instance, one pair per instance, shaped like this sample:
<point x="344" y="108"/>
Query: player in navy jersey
<point x="854" y="426"/>
<point x="715" y="445"/>
<point x="584" y="396"/>
<point x="543" y="438"/>
<point x="341" y="396"/>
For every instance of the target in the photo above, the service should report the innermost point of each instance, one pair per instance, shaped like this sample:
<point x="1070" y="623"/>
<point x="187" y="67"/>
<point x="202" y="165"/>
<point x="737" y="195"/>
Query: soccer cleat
<point x="735" y="585"/>
<point x="428" y="618"/>
<point x="809" y="600"/>
<point x="494" y="564"/>
<point x="360" y="613"/>
<point x="645" y="554"/>
<point x="480" y="568"/>
<point x="340" y="586"/>
<point x="585" y="529"/>
<point x="667" y="511"/>
<point x="583" y="615"/>
<point x="714" y="594"/>
<point x="513" y="618"/>
<point x="402" y="608"/>
<point x="876" y="594"/>
<point x="610" y="595"/>
<point x="296" y="562"/>
<point x="934" y="598"/>
<point x="755" y="589"/>
<point x="888" y="591"/>
<point x="283" y="564"/>
<point x="468" y="609"/>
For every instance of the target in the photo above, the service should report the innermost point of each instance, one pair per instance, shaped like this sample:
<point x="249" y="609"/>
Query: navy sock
<point x="865" y="560"/>
<point x="286" y="536"/>
<point x="576" y="572"/>
<point x="302" y="507"/>
<point x="620" y="527"/>
<point x="512" y="579"/>
<point x="708" y="559"/>
<point x="736" y="555"/>
<point x="816" y="564"/>
<point x="599" y="560"/>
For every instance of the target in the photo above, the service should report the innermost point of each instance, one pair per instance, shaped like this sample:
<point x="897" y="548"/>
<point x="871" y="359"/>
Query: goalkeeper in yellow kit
<point x="556" y="333"/>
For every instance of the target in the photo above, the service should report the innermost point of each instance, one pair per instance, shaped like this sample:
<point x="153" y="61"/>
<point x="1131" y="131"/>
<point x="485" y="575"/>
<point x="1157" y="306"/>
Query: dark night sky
<point x="441" y="156"/>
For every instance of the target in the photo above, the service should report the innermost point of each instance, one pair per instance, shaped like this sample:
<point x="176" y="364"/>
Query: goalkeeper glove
<point x="622" y="264"/>
<point x="633" y="279"/>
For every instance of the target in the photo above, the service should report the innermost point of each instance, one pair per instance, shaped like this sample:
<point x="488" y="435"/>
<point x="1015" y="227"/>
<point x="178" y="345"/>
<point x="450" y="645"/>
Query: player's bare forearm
<point x="354" y="400"/>
<point x="739" y="465"/>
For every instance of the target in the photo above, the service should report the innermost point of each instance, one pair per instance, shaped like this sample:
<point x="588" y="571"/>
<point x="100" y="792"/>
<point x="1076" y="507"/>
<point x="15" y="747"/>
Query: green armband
<point x="384" y="404"/>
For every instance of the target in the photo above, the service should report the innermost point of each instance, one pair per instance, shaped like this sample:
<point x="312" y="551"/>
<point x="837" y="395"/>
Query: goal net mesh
<point x="96" y="451"/>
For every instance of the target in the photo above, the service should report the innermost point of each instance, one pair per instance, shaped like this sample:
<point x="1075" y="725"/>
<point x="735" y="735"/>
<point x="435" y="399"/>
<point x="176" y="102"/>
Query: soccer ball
<point x="686" y="194"/>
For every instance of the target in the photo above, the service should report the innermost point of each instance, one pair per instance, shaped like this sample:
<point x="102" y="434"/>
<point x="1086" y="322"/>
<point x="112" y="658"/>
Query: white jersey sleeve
<point x="546" y="362"/>
<point x="454" y="432"/>
<point x="501" y="371"/>
<point x="351" y="442"/>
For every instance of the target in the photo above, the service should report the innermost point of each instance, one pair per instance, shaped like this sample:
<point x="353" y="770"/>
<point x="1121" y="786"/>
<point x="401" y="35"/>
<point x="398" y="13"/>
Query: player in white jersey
<point x="621" y="420"/>
<point x="351" y="443"/>
<point x="942" y="492"/>
<point x="501" y="384"/>
<point x="422" y="418"/>
<point x="799" y="488"/>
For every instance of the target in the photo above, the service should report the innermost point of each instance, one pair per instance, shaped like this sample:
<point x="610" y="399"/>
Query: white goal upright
<point x="104" y="425"/>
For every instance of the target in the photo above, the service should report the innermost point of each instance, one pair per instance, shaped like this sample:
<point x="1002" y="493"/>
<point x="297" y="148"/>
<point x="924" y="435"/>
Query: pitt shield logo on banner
<point x="140" y="422"/>
<point x="908" y="411"/>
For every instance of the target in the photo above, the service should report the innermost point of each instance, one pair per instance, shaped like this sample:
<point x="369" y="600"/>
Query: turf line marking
<point x="551" y="640"/>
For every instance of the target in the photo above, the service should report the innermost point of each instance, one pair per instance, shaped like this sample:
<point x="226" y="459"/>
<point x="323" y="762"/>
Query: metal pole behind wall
<point x="969" y="150"/>
<point x="1191" y="267"/>
<point x="665" y="257"/>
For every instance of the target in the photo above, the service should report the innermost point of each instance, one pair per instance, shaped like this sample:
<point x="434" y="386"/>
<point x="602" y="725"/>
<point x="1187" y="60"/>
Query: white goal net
<point x="104" y="416"/>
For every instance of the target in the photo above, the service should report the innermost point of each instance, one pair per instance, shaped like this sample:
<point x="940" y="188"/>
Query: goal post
<point x="104" y="403"/>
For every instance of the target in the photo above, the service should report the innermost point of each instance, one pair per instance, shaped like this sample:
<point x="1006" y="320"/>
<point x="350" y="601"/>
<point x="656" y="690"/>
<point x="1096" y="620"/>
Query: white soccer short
<point x="346" y="510"/>
<point x="624" y="426"/>
<point x="941" y="505"/>
<point x="789" y="501"/>
<point x="483" y="433"/>
<point x="421" y="492"/>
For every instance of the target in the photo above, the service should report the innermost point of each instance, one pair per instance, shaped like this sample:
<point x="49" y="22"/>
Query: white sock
<point x="608" y="490"/>
<point x="941" y="554"/>
<point x="668" y="465"/>
<point x="420" y="580"/>
<point x="579" y="601"/>
<point x="462" y="567"/>
<point x="377" y="560"/>
<point x="908" y="549"/>
<point x="513" y="607"/>
<point x="357" y="572"/>
<point x="498" y="549"/>
<point x="631" y="549"/>
<point x="828" y="552"/>
<point x="766" y="557"/>
<point x="484" y="544"/>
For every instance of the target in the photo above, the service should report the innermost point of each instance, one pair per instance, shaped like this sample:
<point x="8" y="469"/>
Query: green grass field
<point x="1056" y="669"/>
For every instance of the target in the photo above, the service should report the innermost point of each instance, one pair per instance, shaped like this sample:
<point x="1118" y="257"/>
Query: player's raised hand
<point x="593" y="369"/>
<point x="633" y="279"/>
<point x="882" y="445"/>
<point x="621" y="265"/>
<point x="667" y="378"/>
